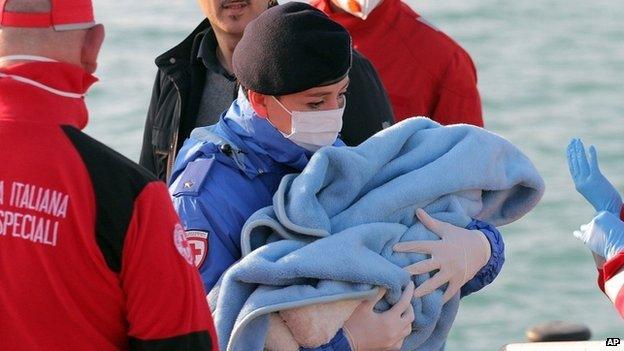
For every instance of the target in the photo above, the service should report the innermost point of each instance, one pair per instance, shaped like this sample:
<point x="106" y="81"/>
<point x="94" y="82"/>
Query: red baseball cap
<point x="65" y="15"/>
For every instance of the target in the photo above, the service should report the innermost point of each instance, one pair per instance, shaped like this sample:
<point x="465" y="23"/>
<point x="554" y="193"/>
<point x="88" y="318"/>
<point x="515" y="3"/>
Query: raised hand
<point x="589" y="181"/>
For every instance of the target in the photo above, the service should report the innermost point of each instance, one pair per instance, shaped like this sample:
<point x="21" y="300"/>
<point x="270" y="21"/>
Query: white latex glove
<point x="458" y="256"/>
<point x="368" y="330"/>
<point x="604" y="235"/>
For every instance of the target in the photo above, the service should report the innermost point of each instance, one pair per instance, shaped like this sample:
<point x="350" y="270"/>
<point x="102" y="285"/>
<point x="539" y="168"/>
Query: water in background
<point x="548" y="70"/>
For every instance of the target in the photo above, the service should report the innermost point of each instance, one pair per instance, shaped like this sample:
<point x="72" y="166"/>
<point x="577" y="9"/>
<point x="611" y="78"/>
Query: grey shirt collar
<point x="207" y="53"/>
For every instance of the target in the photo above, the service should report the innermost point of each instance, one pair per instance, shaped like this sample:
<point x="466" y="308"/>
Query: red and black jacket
<point x="609" y="270"/>
<point x="425" y="72"/>
<point x="92" y="256"/>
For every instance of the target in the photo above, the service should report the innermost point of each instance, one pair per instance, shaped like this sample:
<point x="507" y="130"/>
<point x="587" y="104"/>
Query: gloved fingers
<point x="404" y="302"/>
<point x="575" y="158"/>
<point x="593" y="157"/>
<point x="438" y="227"/>
<point x="581" y="235"/>
<point x="422" y="267"/>
<point x="606" y="219"/>
<point x="581" y="159"/>
<point x="451" y="290"/>
<point x="601" y="216"/>
<point x="431" y="284"/>
<point x="422" y="246"/>
<point x="572" y="164"/>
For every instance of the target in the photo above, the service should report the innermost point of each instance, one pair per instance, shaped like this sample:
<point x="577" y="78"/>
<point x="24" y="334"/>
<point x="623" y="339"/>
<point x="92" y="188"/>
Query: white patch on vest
<point x="179" y="240"/>
<point x="198" y="242"/>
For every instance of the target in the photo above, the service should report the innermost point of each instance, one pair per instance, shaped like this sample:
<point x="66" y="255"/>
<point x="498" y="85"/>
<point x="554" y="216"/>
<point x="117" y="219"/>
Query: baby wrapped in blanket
<point x="327" y="242"/>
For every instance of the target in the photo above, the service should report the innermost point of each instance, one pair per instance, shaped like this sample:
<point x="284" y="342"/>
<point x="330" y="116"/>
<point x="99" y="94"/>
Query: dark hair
<point x="273" y="3"/>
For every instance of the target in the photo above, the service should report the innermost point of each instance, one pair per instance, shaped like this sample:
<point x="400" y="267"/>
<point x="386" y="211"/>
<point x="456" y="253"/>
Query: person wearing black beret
<point x="289" y="51"/>
<point x="293" y="64"/>
<point x="195" y="83"/>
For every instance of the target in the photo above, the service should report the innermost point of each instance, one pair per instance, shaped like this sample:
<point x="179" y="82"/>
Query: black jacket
<point x="178" y="90"/>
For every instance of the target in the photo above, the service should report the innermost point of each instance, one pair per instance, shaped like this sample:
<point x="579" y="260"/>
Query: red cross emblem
<point x="198" y="243"/>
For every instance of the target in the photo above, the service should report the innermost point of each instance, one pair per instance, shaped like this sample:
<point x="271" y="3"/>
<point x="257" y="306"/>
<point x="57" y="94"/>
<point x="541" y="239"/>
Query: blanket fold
<point x="329" y="235"/>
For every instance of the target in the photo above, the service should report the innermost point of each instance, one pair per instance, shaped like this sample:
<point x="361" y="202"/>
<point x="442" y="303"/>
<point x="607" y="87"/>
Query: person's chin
<point x="235" y="19"/>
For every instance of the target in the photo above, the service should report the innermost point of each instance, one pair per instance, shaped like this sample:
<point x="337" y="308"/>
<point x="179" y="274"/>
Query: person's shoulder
<point x="211" y="191"/>
<point x="358" y="57"/>
<point x="203" y="153"/>
<point x="208" y="176"/>
<point x="106" y="166"/>
<point x="427" y="34"/>
<point x="213" y="167"/>
<point x="116" y="184"/>
<point x="181" y="52"/>
<point x="360" y="65"/>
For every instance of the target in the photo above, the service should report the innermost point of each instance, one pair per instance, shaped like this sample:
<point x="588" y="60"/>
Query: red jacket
<point x="92" y="255"/>
<point x="425" y="72"/>
<point x="609" y="270"/>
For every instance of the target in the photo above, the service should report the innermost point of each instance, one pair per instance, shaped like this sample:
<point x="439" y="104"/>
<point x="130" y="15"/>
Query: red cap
<point x="65" y="15"/>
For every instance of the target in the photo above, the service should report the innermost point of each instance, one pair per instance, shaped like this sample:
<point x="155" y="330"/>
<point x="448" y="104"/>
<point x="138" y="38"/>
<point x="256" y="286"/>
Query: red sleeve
<point x="601" y="281"/>
<point x="619" y="302"/>
<point x="165" y="300"/>
<point x="459" y="100"/>
<point x="613" y="266"/>
<point x="622" y="213"/>
<point x="610" y="269"/>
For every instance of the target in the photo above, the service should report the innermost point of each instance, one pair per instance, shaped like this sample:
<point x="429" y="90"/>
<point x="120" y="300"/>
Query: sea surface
<point x="549" y="70"/>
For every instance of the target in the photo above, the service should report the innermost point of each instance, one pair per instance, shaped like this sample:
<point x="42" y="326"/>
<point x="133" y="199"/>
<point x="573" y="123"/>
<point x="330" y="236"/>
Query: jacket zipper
<point x="174" y="142"/>
<point x="172" y="155"/>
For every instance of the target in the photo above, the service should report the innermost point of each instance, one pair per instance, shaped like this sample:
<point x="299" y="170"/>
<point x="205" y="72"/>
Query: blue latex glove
<point x="604" y="235"/>
<point x="589" y="181"/>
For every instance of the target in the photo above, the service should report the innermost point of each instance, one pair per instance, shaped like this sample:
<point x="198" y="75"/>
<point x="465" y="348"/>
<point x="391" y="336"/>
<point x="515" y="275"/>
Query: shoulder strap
<point x="229" y="148"/>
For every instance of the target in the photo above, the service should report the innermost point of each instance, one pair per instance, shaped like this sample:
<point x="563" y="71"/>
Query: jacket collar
<point x="207" y="53"/>
<point x="23" y="102"/>
<point x="183" y="54"/>
<point x="382" y="18"/>
<point x="257" y="137"/>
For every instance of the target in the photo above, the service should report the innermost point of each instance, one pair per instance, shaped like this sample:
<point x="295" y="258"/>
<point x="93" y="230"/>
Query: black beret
<point x="291" y="48"/>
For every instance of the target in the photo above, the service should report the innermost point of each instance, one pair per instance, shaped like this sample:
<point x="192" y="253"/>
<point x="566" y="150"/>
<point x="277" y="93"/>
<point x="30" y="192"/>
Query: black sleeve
<point x="147" y="158"/>
<point x="190" y="342"/>
<point x="368" y="107"/>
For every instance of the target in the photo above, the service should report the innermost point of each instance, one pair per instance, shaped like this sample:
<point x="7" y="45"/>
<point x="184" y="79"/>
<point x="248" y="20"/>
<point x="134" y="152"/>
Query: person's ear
<point x="258" y="103"/>
<point x="91" y="47"/>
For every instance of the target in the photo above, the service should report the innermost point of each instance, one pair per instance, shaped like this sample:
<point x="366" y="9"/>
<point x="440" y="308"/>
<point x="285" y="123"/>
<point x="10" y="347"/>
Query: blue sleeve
<point x="338" y="343"/>
<point x="219" y="248"/>
<point x="489" y="272"/>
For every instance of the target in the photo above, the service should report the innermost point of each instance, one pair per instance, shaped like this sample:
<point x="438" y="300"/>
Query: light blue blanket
<point x="330" y="232"/>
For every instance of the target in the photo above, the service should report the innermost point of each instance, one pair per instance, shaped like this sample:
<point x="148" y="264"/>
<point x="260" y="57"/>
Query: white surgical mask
<point x="359" y="8"/>
<point x="34" y="82"/>
<point x="314" y="129"/>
